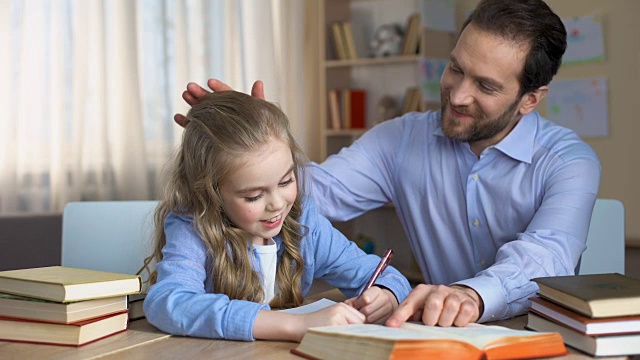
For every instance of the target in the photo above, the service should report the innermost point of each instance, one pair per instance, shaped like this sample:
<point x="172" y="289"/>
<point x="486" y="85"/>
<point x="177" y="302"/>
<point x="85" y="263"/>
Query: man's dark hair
<point x="527" y="22"/>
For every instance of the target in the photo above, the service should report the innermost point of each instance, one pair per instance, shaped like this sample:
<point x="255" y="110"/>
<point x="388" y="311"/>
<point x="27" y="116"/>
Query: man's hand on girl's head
<point x="195" y="92"/>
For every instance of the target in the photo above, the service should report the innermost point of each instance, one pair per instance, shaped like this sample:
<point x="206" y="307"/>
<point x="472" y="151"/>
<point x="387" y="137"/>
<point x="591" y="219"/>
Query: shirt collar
<point x="518" y="144"/>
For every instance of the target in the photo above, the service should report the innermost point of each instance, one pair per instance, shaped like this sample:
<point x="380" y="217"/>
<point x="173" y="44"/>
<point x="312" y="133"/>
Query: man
<point x="490" y="193"/>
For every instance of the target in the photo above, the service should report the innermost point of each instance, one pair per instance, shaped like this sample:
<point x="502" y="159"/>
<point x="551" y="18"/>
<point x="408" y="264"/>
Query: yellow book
<point x="66" y="284"/>
<point x="349" y="41"/>
<point x="43" y="310"/>
<point x="339" y="45"/>
<point x="414" y="341"/>
<point x="73" y="334"/>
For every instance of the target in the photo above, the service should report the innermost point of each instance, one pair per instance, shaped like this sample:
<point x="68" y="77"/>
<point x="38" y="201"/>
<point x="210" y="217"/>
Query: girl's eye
<point x="287" y="182"/>
<point x="252" y="199"/>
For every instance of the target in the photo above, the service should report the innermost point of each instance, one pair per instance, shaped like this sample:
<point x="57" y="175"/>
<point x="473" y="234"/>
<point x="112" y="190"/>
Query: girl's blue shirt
<point x="183" y="302"/>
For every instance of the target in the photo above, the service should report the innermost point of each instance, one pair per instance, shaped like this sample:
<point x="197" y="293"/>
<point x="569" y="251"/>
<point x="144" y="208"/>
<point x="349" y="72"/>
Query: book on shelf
<point x="358" y="109"/>
<point x="66" y="284"/>
<point x="338" y="41"/>
<point x="136" y="303"/>
<point x="349" y="41"/>
<point x="414" y="341"/>
<point x="582" y="323"/>
<point x="598" y="345"/>
<point x="43" y="310"/>
<point x="73" y="334"/>
<point x="411" y="38"/>
<point x="594" y="295"/>
<point x="346" y="108"/>
<point x="412" y="100"/>
<point x="334" y="109"/>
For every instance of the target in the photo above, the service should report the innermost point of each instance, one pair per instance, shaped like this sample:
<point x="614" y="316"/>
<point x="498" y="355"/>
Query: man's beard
<point x="480" y="128"/>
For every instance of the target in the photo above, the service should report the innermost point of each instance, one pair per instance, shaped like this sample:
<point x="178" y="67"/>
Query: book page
<point x="473" y="334"/>
<point x="476" y="334"/>
<point x="309" y="308"/>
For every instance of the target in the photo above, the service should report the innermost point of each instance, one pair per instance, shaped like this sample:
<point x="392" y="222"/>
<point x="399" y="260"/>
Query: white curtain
<point x="71" y="119"/>
<point x="90" y="87"/>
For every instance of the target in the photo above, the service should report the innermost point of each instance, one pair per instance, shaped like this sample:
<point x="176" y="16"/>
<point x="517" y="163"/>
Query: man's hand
<point x="195" y="92"/>
<point x="439" y="305"/>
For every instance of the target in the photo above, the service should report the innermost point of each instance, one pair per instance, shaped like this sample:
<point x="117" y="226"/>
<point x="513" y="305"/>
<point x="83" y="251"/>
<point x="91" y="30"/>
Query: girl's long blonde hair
<point x="223" y="128"/>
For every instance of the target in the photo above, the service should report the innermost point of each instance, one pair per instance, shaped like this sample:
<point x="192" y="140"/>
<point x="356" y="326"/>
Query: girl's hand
<point x="376" y="304"/>
<point x="338" y="314"/>
<point x="275" y="325"/>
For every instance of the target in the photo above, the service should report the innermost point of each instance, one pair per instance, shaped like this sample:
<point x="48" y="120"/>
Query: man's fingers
<point x="217" y="85"/>
<point x="468" y="313"/>
<point x="413" y="303"/>
<point x="189" y="98"/>
<point x="194" y="93"/>
<point x="257" y="90"/>
<point x="180" y="120"/>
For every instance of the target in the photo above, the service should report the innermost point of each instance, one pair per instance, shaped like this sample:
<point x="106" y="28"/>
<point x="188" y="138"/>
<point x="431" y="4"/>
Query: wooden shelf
<point x="345" y="132"/>
<point x="372" y="61"/>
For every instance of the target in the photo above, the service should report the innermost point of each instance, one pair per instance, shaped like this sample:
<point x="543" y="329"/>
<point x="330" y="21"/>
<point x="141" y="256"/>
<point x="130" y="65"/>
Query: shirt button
<point x="483" y="262"/>
<point x="475" y="177"/>
<point x="476" y="222"/>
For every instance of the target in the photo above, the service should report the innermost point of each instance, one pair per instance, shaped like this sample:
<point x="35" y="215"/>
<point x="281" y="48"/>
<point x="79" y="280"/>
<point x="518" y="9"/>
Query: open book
<point x="413" y="341"/>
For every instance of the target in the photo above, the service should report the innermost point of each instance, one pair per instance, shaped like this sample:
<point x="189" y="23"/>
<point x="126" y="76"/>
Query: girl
<point x="239" y="237"/>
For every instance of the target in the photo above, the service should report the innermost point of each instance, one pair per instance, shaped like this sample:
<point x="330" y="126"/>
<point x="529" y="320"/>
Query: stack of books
<point x="63" y="306"/>
<point x="598" y="314"/>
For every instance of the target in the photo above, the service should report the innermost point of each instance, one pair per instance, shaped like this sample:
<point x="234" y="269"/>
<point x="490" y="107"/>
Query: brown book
<point x="411" y="37"/>
<point x="612" y="345"/>
<point x="74" y="334"/>
<point x="414" y="341"/>
<point x="346" y="109"/>
<point x="584" y="324"/>
<point x="408" y="103"/>
<point x="42" y="310"/>
<point x="596" y="295"/>
<point x="348" y="40"/>
<point x="338" y="40"/>
<point x="66" y="284"/>
<point x="334" y="109"/>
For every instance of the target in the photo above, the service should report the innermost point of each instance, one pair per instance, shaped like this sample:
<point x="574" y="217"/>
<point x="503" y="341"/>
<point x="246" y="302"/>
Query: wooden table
<point x="143" y="341"/>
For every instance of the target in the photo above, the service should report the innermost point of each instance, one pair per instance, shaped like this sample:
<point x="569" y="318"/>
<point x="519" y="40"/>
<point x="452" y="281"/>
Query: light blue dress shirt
<point x="182" y="301"/>
<point x="520" y="211"/>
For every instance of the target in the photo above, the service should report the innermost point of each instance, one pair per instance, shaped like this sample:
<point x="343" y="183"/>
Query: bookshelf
<point x="379" y="77"/>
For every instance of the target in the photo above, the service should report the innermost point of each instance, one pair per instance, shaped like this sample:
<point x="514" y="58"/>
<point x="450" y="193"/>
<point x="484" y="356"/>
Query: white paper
<point x="581" y="105"/>
<point x="585" y="43"/>
<point x="309" y="308"/>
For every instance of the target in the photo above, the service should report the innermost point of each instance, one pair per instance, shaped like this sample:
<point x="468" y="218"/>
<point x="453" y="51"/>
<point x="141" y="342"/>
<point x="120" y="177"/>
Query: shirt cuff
<point x="396" y="283"/>
<point x="242" y="316"/>
<point x="492" y="295"/>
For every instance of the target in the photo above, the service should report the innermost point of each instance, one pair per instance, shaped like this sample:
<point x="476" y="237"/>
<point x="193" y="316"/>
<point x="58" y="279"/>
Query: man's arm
<point x="194" y="92"/>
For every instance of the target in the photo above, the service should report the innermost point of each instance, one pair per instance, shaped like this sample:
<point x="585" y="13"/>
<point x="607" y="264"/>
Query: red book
<point x="73" y="334"/>
<point x="358" y="109"/>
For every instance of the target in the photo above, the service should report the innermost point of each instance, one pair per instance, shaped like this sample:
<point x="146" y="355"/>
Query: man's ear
<point x="531" y="99"/>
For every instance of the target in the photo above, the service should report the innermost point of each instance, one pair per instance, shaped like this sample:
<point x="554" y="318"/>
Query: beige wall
<point x="620" y="170"/>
